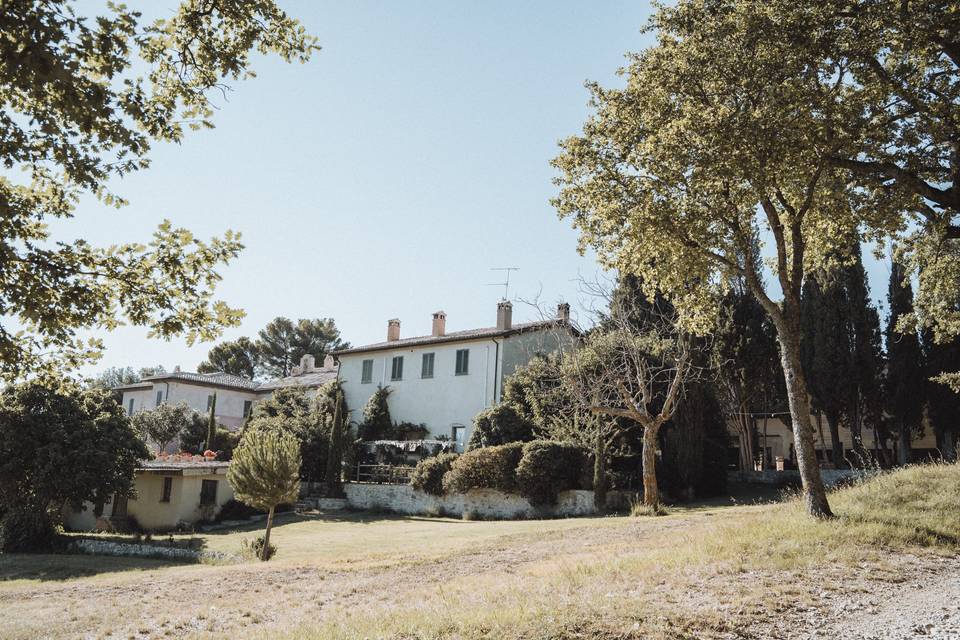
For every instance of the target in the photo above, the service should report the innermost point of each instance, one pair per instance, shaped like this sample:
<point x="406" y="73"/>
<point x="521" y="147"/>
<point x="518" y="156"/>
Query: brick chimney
<point x="393" y="330"/>
<point x="439" y="324"/>
<point x="307" y="363"/>
<point x="329" y="362"/>
<point x="563" y="312"/>
<point x="504" y="315"/>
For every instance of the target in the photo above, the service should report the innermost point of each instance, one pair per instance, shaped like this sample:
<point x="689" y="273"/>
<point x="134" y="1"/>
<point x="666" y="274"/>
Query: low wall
<point x="478" y="503"/>
<point x="831" y="477"/>
<point x="108" y="548"/>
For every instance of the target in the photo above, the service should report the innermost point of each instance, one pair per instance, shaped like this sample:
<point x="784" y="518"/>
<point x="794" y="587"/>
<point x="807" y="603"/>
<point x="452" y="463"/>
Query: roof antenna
<point x="506" y="283"/>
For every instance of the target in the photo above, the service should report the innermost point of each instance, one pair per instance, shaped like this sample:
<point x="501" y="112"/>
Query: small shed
<point x="168" y="493"/>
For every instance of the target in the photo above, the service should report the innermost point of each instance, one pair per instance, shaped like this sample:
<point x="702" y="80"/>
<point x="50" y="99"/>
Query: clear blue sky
<point x="385" y="177"/>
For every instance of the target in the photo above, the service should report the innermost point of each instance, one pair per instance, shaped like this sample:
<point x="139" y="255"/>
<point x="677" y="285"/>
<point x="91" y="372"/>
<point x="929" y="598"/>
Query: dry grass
<point x="693" y="573"/>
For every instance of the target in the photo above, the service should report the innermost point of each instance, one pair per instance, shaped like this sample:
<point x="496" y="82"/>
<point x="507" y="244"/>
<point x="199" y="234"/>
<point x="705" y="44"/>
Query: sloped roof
<point x="315" y="378"/>
<point x="456" y="336"/>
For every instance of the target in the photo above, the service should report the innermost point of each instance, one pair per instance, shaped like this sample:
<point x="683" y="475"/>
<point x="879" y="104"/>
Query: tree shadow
<point x="65" y="566"/>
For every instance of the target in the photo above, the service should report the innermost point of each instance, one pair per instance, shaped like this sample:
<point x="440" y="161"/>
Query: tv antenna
<point x="506" y="283"/>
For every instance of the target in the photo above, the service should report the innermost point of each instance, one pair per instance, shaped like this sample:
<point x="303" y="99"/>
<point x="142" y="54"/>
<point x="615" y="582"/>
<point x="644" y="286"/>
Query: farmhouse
<point x="443" y="380"/>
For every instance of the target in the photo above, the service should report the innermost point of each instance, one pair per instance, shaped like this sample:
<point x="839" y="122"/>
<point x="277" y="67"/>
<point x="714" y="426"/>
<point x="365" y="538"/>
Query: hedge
<point x="428" y="476"/>
<point x="547" y="467"/>
<point x="486" y="468"/>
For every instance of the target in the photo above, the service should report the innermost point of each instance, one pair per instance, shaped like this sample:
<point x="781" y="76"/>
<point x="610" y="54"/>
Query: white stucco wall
<point x="230" y="402"/>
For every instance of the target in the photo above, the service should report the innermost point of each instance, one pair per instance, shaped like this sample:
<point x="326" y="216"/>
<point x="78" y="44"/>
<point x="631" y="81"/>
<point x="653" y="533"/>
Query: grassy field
<point x="711" y="571"/>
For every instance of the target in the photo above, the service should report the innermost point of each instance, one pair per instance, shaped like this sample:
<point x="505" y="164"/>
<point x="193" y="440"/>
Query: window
<point x="396" y="369"/>
<point x="426" y="371"/>
<point x="167" y="490"/>
<point x="208" y="493"/>
<point x="159" y="398"/>
<point x="209" y="402"/>
<point x="247" y="406"/>
<point x="130" y="408"/>
<point x="458" y="432"/>
<point x="463" y="362"/>
<point x="366" y="372"/>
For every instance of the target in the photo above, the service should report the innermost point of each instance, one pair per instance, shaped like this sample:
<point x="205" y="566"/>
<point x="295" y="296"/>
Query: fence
<point x="383" y="474"/>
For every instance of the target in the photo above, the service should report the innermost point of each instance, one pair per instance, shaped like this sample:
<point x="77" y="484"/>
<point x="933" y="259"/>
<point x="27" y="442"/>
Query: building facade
<point x="444" y="379"/>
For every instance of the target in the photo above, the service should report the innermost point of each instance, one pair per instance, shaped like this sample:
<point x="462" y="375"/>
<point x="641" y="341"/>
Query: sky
<point x="387" y="176"/>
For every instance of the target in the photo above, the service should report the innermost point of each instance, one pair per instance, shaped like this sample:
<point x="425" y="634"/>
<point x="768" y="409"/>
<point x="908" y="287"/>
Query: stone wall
<point x="831" y="477"/>
<point x="108" y="548"/>
<point x="477" y="503"/>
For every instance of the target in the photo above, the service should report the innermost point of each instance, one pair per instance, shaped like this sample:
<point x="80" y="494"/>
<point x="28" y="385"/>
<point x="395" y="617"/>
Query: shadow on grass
<point x="64" y="566"/>
<point x="353" y="517"/>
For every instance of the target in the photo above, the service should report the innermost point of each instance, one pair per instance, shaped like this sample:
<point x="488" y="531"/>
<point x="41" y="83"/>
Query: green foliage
<point x="694" y="446"/>
<point x="26" y="530"/>
<point x="194" y="438"/>
<point x="499" y="424"/>
<point x="487" y="468"/>
<point x="163" y="424"/>
<point x="289" y="411"/>
<point x="282" y="343"/>
<point x="904" y="384"/>
<point x="332" y="407"/>
<point x="118" y="376"/>
<point x="377" y="423"/>
<point x="258" y="549"/>
<point x="238" y="357"/>
<point x="83" y="102"/>
<point x="62" y="447"/>
<point x="536" y="391"/>
<point x="943" y="403"/>
<point x="547" y="467"/>
<point x="265" y="471"/>
<point x="429" y="473"/>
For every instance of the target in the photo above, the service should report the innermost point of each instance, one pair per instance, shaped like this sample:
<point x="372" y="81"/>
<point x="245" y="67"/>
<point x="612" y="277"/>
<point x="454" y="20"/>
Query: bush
<point x="254" y="550"/>
<point x="428" y="476"/>
<point x="499" y="424"/>
<point x="26" y="530"/>
<point x="548" y="467"/>
<point x="486" y="468"/>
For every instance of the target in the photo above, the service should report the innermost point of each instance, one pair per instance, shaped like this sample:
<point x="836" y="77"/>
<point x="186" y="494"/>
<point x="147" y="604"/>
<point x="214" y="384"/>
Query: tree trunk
<point x="903" y="444"/>
<point x="814" y="492"/>
<point x="600" y="475"/>
<point x="265" y="552"/>
<point x="651" y="493"/>
<point x="949" y="448"/>
<point x="836" y="447"/>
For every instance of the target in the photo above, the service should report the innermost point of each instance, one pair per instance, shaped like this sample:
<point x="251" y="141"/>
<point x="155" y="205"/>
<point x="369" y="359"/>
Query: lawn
<point x="706" y="572"/>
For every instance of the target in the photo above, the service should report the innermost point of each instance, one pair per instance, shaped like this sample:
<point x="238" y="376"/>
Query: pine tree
<point x="377" y="423"/>
<point x="332" y="405"/>
<point x="265" y="472"/>
<point x="904" y="383"/>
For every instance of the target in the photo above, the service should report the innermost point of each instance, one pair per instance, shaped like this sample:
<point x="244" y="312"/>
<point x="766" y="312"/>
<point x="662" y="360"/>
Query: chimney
<point x="328" y="362"/>
<point x="393" y="330"/>
<point x="439" y="324"/>
<point x="563" y="312"/>
<point x="504" y="315"/>
<point x="176" y="369"/>
<point x="307" y="363"/>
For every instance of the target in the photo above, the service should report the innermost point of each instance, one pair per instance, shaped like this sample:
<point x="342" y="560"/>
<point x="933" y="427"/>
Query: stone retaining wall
<point x="477" y="503"/>
<point x="108" y="548"/>
<point x="831" y="477"/>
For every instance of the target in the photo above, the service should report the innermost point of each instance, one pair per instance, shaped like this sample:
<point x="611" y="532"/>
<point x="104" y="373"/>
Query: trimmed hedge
<point x="428" y="476"/>
<point x="486" y="468"/>
<point x="547" y="467"/>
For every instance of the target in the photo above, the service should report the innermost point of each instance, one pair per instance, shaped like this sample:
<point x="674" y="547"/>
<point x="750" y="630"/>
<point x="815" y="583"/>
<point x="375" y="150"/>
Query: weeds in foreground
<point x="638" y="509"/>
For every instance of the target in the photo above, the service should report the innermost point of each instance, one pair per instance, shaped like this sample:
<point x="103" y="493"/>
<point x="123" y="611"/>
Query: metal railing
<point x="383" y="474"/>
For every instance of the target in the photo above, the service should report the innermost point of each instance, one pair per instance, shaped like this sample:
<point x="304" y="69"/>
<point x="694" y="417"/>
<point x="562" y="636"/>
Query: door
<point x="119" y="506"/>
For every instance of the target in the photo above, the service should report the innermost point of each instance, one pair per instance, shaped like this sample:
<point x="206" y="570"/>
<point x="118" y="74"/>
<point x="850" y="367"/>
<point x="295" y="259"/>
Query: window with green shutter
<point x="463" y="362"/>
<point x="396" y="369"/>
<point x="366" y="372"/>
<point x="426" y="370"/>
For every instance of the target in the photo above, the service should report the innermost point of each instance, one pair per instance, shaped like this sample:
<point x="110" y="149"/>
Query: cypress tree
<point x="943" y="404"/>
<point x="212" y="423"/>
<point x="265" y="472"/>
<point x="905" y="382"/>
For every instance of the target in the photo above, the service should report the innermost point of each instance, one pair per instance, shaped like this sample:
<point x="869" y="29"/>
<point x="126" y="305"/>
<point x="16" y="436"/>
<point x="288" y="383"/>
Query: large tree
<point x="83" y="101"/>
<point x="238" y="357"/>
<point x="57" y="447"/>
<point x="164" y="424"/>
<point x="282" y="343"/>
<point x="724" y="133"/>
<point x="904" y="381"/>
<point x="290" y="411"/>
<point x="943" y="405"/>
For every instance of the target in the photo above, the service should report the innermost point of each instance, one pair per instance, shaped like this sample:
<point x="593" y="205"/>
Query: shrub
<point x="486" y="468"/>
<point x="428" y="476"/>
<point x="499" y="424"/>
<point x="254" y="550"/>
<point x="26" y="530"/>
<point x="548" y="467"/>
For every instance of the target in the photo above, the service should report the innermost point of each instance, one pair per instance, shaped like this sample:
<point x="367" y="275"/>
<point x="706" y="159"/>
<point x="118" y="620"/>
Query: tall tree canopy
<point x="83" y="101"/>
<point x="904" y="382"/>
<point x="282" y="343"/>
<point x="238" y="357"/>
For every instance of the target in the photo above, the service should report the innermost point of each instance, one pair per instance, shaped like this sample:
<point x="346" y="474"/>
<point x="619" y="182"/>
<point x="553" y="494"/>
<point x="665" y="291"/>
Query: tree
<point x="694" y="444"/>
<point x="195" y="438"/>
<point x="237" y="357"/>
<point x="281" y="344"/>
<point x="943" y="405"/>
<point x="726" y="128"/>
<point x="211" y="424"/>
<point x="114" y="377"/>
<point x="163" y="424"/>
<point x="499" y="424"/>
<point x="58" y="447"/>
<point x="332" y="405"/>
<point x="265" y="473"/>
<point x="904" y="383"/>
<point x="377" y="423"/>
<point x="291" y="412"/>
<point x="83" y="102"/>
